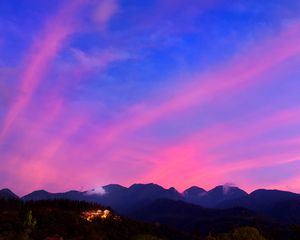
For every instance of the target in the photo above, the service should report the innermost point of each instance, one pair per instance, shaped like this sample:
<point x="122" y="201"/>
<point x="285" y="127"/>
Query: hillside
<point x="74" y="220"/>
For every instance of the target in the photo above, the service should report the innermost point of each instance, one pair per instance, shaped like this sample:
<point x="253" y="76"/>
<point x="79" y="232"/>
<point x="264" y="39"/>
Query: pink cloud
<point x="241" y="73"/>
<point x="189" y="160"/>
<point x="197" y="157"/>
<point x="42" y="52"/>
<point x="104" y="12"/>
<point x="291" y="184"/>
<point x="43" y="148"/>
<point x="7" y="91"/>
<point x="37" y="145"/>
<point x="244" y="71"/>
<point x="97" y="60"/>
<point x="40" y="156"/>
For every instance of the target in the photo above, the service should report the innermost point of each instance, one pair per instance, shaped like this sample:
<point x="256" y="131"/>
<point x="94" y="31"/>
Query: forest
<point x="67" y="219"/>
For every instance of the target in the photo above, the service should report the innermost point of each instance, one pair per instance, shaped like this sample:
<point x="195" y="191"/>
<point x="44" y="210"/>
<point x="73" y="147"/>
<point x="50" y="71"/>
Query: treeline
<point x="16" y="204"/>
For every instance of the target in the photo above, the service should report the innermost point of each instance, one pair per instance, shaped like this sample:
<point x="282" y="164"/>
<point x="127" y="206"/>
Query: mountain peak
<point x="172" y="189"/>
<point x="194" y="194"/>
<point x="113" y="186"/>
<point x="227" y="190"/>
<point x="194" y="190"/>
<point x="38" y="195"/>
<point x="7" y="194"/>
<point x="141" y="185"/>
<point x="274" y="193"/>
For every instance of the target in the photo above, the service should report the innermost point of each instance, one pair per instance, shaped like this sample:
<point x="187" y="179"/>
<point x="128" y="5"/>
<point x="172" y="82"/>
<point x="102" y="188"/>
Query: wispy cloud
<point x="43" y="51"/>
<point x="104" y="11"/>
<point x="243" y="72"/>
<point x="205" y="149"/>
<point x="205" y="91"/>
<point x="96" y="191"/>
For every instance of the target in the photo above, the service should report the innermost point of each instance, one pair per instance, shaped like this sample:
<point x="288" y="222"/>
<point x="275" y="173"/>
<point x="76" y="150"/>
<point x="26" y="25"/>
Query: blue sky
<point x="143" y="91"/>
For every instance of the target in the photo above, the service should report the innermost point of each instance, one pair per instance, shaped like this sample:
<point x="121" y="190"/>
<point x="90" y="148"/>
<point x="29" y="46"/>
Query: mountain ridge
<point x="276" y="204"/>
<point x="127" y="199"/>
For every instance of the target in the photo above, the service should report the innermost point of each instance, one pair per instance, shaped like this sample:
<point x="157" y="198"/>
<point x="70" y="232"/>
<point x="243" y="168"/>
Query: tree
<point x="242" y="233"/>
<point x="28" y="225"/>
<point x="247" y="233"/>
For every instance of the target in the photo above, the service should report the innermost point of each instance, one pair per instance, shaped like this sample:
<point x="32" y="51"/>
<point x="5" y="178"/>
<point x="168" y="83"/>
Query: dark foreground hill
<point x="193" y="218"/>
<point x="204" y="221"/>
<point x="260" y="200"/>
<point x="65" y="219"/>
<point x="167" y="220"/>
<point x="274" y="213"/>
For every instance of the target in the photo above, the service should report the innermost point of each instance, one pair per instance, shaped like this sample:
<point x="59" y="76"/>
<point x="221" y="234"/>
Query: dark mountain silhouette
<point x="7" y="194"/>
<point x="113" y="196"/>
<point x="44" y="195"/>
<point x="191" y="217"/>
<point x="152" y="191"/>
<point x="39" y="195"/>
<point x="196" y="210"/>
<point x="212" y="197"/>
<point x="193" y="194"/>
<point x="127" y="200"/>
<point x="123" y="200"/>
<point x="260" y="200"/>
<point x="114" y="188"/>
<point x="287" y="211"/>
<point x="219" y="194"/>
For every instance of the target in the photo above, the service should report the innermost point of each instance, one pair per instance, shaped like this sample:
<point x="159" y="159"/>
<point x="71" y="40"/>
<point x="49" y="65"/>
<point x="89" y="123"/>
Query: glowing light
<point x="98" y="214"/>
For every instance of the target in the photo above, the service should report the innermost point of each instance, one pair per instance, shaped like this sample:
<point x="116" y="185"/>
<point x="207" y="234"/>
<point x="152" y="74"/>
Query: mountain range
<point x="125" y="199"/>
<point x="197" y="211"/>
<point x="129" y="200"/>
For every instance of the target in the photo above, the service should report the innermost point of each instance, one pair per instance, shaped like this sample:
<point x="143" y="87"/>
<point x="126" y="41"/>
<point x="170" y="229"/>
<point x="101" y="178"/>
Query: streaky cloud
<point x="243" y="72"/>
<point x="42" y="52"/>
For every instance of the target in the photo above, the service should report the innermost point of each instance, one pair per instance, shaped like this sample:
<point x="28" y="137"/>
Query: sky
<point x="175" y="92"/>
